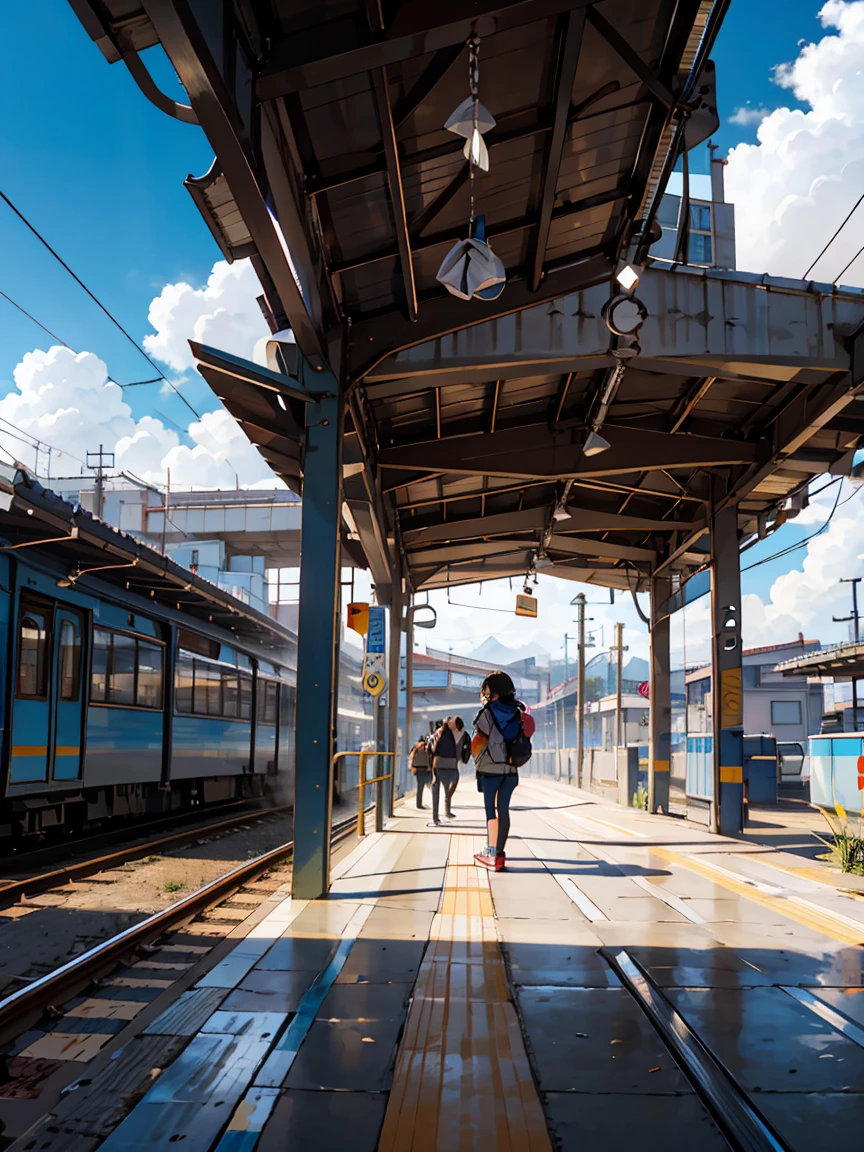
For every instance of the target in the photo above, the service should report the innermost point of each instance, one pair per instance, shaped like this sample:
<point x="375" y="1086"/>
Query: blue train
<point x="130" y="686"/>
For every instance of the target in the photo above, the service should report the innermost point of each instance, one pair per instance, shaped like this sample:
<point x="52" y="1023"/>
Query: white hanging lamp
<point x="471" y="268"/>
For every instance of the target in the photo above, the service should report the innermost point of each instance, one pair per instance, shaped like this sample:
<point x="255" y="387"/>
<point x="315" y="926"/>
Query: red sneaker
<point x="500" y="862"/>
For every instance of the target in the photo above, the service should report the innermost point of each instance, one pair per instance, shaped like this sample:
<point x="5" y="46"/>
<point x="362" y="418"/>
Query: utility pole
<point x="619" y="648"/>
<point x="567" y="655"/>
<point x="855" y="618"/>
<point x="580" y="687"/>
<point x="98" y="467"/>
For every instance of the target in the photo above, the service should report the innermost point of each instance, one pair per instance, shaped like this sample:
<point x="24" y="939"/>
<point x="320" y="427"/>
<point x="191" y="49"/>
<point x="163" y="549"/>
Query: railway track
<point x="22" y="1007"/>
<point x="15" y="888"/>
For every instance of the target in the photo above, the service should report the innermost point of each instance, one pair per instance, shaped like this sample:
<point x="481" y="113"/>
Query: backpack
<point x="465" y="749"/>
<point x="517" y="746"/>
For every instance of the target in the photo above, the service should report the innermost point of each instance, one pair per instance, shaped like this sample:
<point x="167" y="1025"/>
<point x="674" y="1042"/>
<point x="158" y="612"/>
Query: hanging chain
<point x="474" y="87"/>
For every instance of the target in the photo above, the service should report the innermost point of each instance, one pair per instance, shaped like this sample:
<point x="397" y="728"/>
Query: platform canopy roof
<point x="466" y="420"/>
<point x="833" y="661"/>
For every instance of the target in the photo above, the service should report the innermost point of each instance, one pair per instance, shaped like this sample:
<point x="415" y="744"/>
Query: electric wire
<point x="38" y="323"/>
<point x="846" y="267"/>
<point x="807" y="539"/>
<point x="837" y="232"/>
<point x="95" y="300"/>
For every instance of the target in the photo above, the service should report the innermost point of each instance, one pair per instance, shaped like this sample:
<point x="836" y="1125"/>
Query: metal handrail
<point x="361" y="784"/>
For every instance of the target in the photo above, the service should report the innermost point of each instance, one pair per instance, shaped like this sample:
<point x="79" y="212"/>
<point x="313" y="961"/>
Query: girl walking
<point x="501" y="720"/>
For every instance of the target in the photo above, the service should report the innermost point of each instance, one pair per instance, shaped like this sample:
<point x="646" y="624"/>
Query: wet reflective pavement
<point x="431" y="1005"/>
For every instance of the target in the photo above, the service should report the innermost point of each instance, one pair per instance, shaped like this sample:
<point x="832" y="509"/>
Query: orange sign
<point x="861" y="773"/>
<point x="358" y="618"/>
<point x="526" y="605"/>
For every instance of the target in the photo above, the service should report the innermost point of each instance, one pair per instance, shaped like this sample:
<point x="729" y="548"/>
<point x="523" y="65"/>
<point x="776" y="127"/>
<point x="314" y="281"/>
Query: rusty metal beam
<point x="688" y="400"/>
<point x="493" y="231"/>
<point x="297" y="62"/>
<point x="536" y="452"/>
<point x="397" y="192"/>
<point x="572" y="25"/>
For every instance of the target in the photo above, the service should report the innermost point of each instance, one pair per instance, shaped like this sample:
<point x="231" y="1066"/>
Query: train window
<point x="121" y="686"/>
<point x="33" y="654"/>
<point x="183" y="680"/>
<point x="101" y="655"/>
<point x="200" y="645"/>
<point x="230" y="694"/>
<point x="148" y="692"/>
<point x="267" y="690"/>
<point x="70" y="660"/>
<point x="245" y="697"/>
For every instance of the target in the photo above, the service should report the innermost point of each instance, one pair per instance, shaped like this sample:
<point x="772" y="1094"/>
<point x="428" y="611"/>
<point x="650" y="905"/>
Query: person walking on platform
<point x="463" y="742"/>
<point x="419" y="761"/>
<point x="501" y="745"/>
<point x="445" y="766"/>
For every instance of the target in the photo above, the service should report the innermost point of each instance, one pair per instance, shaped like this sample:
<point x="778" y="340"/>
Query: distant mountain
<point x="493" y="652"/>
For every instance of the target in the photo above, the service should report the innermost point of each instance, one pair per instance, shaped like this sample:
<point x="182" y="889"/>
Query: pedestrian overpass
<point x="585" y="411"/>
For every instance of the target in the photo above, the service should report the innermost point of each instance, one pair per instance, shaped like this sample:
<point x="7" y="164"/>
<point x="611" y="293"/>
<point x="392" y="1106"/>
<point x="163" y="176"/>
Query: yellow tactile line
<point x="822" y="922"/>
<point x="462" y="1079"/>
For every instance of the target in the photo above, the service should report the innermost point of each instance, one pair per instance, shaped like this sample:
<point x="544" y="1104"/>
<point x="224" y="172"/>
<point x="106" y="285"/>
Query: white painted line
<point x="829" y="912"/>
<point x="672" y="901"/>
<point x="586" y="906"/>
<point x="828" y="1014"/>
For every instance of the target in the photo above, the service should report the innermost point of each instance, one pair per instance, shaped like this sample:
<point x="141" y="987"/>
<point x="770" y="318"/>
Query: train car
<point x="130" y="687"/>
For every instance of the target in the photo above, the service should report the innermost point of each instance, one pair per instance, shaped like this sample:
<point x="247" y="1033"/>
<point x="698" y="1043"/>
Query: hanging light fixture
<point x="471" y="268"/>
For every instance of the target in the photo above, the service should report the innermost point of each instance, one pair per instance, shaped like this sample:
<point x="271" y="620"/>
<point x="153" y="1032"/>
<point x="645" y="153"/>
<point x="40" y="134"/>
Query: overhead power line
<point x="35" y="231"/>
<point x="837" y="232"/>
<point x="38" y="323"/>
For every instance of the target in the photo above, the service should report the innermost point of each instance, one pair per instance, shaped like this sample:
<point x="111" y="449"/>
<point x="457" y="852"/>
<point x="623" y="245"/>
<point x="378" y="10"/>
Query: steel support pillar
<point x="727" y="810"/>
<point x="659" y="698"/>
<point x="394" y="654"/>
<point x="317" y="638"/>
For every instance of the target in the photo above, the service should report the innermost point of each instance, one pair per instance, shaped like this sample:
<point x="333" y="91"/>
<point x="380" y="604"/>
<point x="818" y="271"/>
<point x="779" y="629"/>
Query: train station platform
<point x="628" y="981"/>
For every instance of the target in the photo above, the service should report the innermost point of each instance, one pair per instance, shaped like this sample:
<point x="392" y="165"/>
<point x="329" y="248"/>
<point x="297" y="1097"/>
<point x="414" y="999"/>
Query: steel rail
<point x="48" y="989"/>
<point x="737" y="1118"/>
<point x="17" y="888"/>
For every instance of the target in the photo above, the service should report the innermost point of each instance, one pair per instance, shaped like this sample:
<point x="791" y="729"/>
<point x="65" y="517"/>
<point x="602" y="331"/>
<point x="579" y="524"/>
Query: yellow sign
<point x="358" y="618"/>
<point x="731" y="698"/>
<point x="526" y="605"/>
<point x="374" y="683"/>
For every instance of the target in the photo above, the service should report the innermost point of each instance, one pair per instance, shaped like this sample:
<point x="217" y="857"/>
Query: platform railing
<point x="362" y="783"/>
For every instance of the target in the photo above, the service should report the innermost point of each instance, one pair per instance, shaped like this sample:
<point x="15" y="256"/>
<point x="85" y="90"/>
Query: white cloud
<point x="795" y="185"/>
<point x="747" y="115"/>
<point x="67" y="400"/>
<point x="805" y="598"/>
<point x="224" y="313"/>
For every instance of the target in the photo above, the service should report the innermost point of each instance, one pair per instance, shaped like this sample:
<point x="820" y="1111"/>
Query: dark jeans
<point x="497" y="791"/>
<point x="424" y="777"/>
<point x="449" y="777"/>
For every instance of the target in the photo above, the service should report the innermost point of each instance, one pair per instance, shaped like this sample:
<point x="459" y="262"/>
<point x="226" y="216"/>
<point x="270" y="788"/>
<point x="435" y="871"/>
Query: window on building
<point x="700" y="217"/>
<point x="33" y="653"/>
<point x="126" y="671"/>
<point x="785" y="711"/>
<point x="70" y="660"/>
<point x="701" y="249"/>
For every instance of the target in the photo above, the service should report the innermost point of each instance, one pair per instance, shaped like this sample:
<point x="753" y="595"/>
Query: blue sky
<point x="100" y="171"/>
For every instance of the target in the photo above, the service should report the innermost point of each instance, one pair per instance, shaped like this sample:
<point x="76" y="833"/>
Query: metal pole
<point x="727" y="809"/>
<point x="659" y="698"/>
<point x="409" y="671"/>
<point x="854" y="581"/>
<point x="619" y="669"/>
<point x="317" y="637"/>
<point x="394" y="660"/>
<point x="580" y="689"/>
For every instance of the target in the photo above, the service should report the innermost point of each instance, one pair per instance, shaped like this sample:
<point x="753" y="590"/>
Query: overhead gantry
<point x="625" y="432"/>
